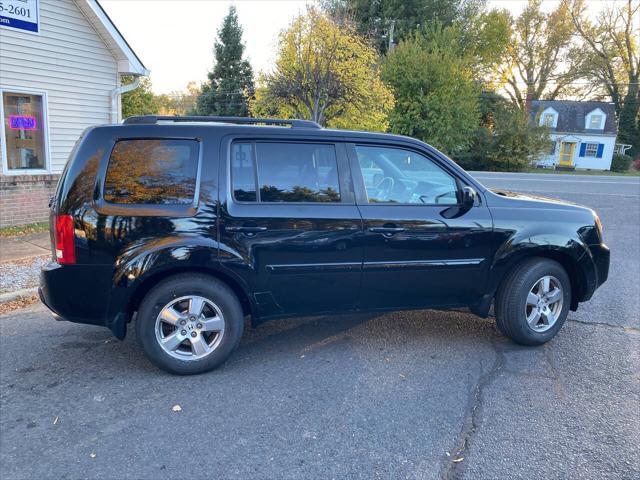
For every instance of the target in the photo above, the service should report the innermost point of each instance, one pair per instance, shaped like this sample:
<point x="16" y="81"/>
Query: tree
<point x="507" y="140"/>
<point x="484" y="41"/>
<point x="383" y="19"/>
<point x="613" y="61"/>
<point x="436" y="96"/>
<point x="179" y="103"/>
<point x="326" y="73"/>
<point x="140" y="101"/>
<point x="230" y="82"/>
<point x="539" y="54"/>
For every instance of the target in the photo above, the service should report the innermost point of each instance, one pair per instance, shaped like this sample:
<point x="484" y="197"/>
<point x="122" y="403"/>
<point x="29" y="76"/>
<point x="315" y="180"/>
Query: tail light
<point x="65" y="242"/>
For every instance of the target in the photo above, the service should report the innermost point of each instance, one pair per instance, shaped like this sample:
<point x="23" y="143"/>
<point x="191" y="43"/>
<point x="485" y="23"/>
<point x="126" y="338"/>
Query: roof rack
<point x="154" y="119"/>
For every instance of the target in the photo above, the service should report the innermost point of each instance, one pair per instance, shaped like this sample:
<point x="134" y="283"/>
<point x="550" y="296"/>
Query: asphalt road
<point x="404" y="395"/>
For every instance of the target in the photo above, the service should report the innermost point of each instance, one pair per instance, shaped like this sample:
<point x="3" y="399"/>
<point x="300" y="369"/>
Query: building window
<point x="24" y="129"/>
<point x="547" y="119"/>
<point x="595" y="122"/>
<point x="591" y="150"/>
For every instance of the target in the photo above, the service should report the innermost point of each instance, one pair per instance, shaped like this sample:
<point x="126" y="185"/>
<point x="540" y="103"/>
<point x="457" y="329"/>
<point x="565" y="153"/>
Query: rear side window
<point x="286" y="172"/>
<point x="152" y="172"/>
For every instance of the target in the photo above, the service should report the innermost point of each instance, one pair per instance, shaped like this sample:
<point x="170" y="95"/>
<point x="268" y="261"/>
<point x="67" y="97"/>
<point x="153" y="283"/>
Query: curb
<point x="20" y="259"/>
<point x="11" y="296"/>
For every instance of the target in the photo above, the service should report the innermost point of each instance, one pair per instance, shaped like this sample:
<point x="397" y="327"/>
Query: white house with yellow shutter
<point x="583" y="134"/>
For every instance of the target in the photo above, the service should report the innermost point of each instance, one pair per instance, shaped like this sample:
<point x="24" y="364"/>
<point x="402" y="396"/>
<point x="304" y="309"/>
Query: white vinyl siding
<point x="71" y="63"/>
<point x="593" y="163"/>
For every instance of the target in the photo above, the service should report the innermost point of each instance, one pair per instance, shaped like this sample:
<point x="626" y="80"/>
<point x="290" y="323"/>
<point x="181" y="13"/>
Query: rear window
<point x="286" y="172"/>
<point x="152" y="172"/>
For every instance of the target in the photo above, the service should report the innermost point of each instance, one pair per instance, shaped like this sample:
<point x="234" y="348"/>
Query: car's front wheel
<point x="189" y="323"/>
<point x="533" y="301"/>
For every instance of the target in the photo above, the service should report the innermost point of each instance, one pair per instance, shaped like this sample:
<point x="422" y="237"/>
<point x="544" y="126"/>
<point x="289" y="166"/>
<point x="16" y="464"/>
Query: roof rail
<point x="154" y="119"/>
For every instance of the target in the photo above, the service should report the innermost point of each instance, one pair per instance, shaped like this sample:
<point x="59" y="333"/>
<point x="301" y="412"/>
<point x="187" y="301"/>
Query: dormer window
<point x="595" y="120"/>
<point x="549" y="118"/>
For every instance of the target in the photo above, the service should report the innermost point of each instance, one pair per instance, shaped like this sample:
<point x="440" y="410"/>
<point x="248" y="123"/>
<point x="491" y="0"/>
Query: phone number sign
<point x="19" y="14"/>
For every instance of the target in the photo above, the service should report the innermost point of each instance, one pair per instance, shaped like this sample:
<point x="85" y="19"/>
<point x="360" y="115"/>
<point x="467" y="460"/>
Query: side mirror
<point x="469" y="196"/>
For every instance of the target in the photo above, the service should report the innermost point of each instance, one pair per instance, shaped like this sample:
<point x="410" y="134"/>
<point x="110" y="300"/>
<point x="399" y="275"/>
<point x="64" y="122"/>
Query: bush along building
<point x="61" y="63"/>
<point x="583" y="134"/>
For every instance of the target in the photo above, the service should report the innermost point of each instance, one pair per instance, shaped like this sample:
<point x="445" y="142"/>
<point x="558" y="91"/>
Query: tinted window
<point x="400" y="176"/>
<point x="152" y="172"/>
<point x="287" y="172"/>
<point x="243" y="172"/>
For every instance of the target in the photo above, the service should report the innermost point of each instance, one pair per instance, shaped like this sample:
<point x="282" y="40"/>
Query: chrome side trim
<point x="314" y="267"/>
<point x="352" y="266"/>
<point x="411" y="264"/>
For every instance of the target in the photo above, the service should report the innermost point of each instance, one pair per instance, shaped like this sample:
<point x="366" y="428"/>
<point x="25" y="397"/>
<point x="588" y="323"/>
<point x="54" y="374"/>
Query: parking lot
<point x="403" y="395"/>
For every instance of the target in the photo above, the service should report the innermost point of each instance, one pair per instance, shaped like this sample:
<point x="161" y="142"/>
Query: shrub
<point x="620" y="163"/>
<point x="636" y="164"/>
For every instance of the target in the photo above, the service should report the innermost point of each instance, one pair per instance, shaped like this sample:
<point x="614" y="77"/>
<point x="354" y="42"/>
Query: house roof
<point x="572" y="115"/>
<point x="128" y="62"/>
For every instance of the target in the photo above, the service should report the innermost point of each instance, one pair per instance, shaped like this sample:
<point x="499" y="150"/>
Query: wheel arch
<point x="571" y="265"/>
<point x="155" y="278"/>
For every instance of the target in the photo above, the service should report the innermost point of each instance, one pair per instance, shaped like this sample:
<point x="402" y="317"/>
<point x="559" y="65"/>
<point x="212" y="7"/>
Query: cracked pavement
<point x="419" y="394"/>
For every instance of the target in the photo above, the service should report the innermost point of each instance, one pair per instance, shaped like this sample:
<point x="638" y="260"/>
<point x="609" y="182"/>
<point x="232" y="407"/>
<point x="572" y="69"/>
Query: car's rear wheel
<point x="533" y="301"/>
<point x="189" y="323"/>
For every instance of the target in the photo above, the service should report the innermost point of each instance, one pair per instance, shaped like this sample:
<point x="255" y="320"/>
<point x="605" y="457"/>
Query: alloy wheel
<point x="544" y="304"/>
<point x="189" y="327"/>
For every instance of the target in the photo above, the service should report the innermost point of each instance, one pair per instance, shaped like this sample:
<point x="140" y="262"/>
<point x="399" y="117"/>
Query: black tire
<point x="180" y="286"/>
<point x="511" y="300"/>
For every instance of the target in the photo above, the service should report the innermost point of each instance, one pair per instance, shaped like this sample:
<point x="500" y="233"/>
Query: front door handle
<point x="387" y="231"/>
<point x="245" y="229"/>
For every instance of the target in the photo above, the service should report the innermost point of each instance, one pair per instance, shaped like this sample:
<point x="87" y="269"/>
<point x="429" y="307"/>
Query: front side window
<point x="24" y="131"/>
<point x="595" y="121"/>
<point x="152" y="172"/>
<point x="287" y="172"/>
<point x="591" y="150"/>
<point x="393" y="175"/>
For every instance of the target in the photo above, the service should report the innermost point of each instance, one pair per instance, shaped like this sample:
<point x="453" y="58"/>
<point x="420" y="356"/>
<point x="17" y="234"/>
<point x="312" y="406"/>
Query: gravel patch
<point x="21" y="274"/>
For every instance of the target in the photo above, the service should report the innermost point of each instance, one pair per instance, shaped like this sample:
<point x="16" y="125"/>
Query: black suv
<point x="186" y="225"/>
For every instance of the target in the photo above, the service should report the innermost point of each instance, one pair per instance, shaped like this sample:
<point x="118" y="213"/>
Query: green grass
<point x="6" y="232"/>
<point x="630" y="173"/>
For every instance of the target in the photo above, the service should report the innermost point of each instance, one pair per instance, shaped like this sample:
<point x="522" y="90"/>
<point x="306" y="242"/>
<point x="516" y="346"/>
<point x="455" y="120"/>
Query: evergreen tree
<point x="230" y="82"/>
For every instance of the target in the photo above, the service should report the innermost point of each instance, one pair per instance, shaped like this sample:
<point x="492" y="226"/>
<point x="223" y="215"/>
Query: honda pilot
<point x="184" y="226"/>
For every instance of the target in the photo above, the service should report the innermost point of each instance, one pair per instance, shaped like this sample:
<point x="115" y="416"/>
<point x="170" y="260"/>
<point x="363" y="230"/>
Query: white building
<point x="61" y="63"/>
<point x="583" y="134"/>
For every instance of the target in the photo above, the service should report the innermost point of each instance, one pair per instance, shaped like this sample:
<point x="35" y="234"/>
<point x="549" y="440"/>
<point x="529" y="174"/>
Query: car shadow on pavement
<point x="76" y="347"/>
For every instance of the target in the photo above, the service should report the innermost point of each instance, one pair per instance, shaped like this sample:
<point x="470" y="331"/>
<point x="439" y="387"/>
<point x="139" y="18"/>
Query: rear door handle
<point x="245" y="229"/>
<point x="387" y="231"/>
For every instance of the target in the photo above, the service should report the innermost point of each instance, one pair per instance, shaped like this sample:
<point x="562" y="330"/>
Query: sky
<point x="174" y="38"/>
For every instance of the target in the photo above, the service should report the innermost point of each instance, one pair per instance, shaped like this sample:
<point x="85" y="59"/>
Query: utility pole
<point x="392" y="44"/>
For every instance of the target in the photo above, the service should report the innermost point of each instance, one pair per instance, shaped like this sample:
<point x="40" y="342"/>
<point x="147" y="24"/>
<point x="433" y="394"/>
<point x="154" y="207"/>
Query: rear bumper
<point x="77" y="293"/>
